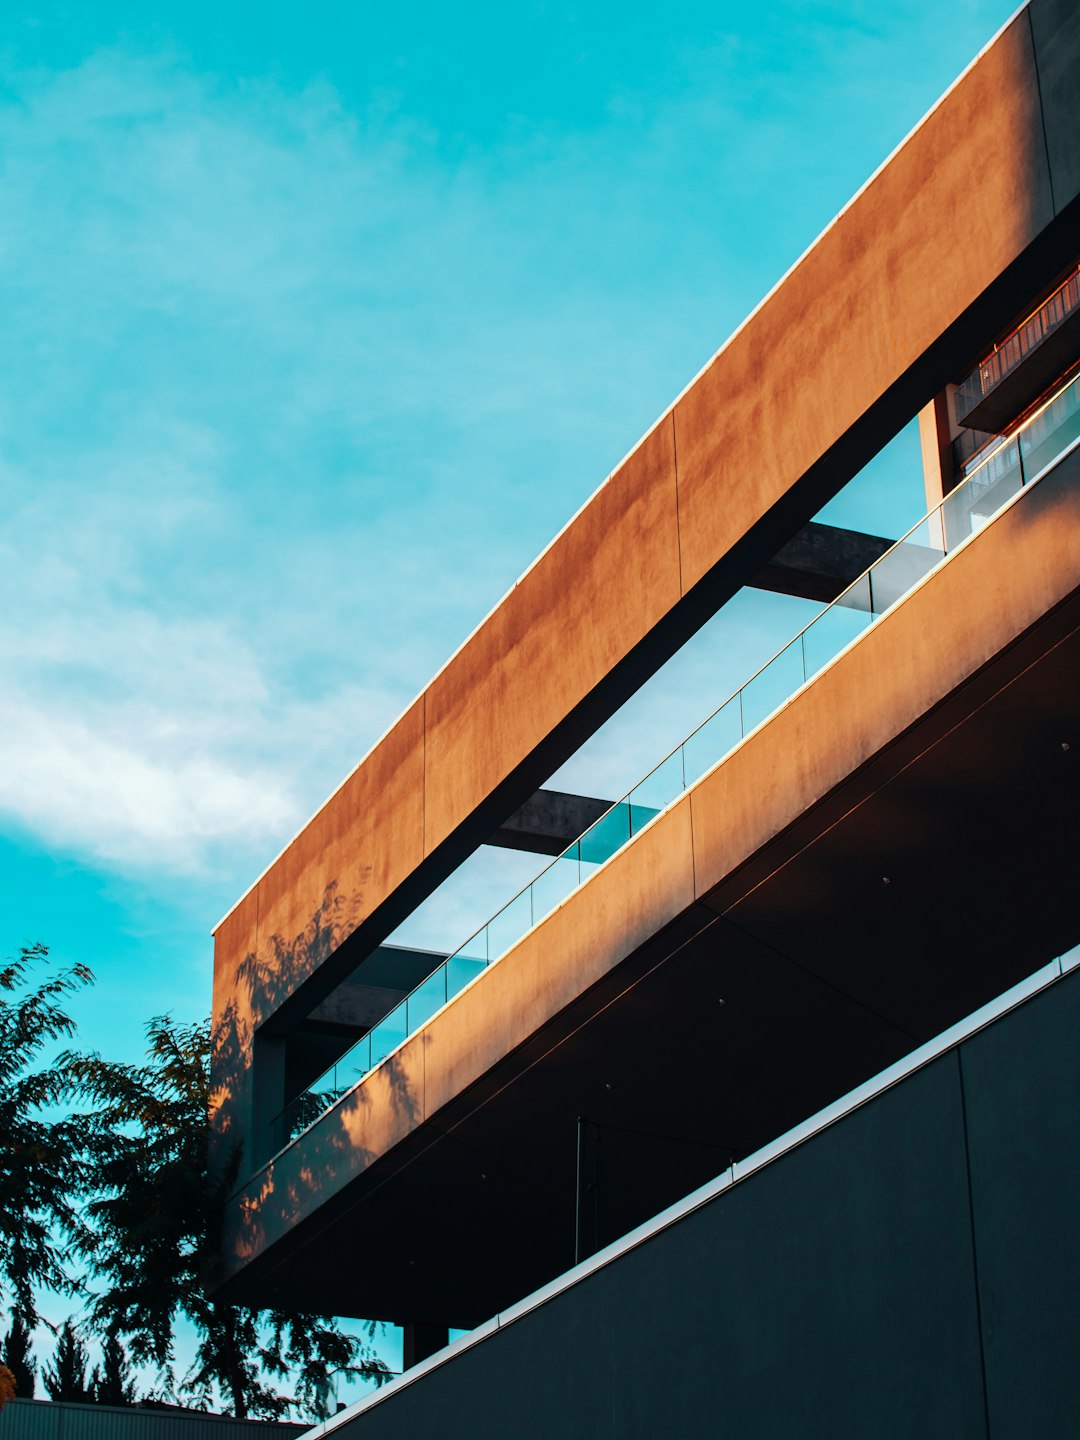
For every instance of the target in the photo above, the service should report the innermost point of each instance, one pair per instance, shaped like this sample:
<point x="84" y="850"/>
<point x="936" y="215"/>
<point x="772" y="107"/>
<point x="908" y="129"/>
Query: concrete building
<point x="756" y="1111"/>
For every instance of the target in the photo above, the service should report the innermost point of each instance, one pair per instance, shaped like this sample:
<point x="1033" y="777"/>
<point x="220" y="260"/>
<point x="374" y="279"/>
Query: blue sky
<point x="318" y="323"/>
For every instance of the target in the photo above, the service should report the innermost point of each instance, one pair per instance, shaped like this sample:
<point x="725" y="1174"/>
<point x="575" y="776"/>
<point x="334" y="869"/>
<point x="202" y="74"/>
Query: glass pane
<point x="902" y="567"/>
<point x="388" y="1034"/>
<point x="551" y="886"/>
<point x="604" y="837"/>
<point x="460" y="969"/>
<point x="475" y="948"/>
<point x="720" y="733"/>
<point x="970" y="505"/>
<point x="833" y="629"/>
<point x="775" y="684"/>
<point x="429" y="996"/>
<point x="640" y="815"/>
<point x="326" y="1085"/>
<point x="287" y="1125"/>
<point x="510" y="924"/>
<point x="658" y="789"/>
<point x="856" y="596"/>
<point x="1051" y="433"/>
<point x="354" y="1064"/>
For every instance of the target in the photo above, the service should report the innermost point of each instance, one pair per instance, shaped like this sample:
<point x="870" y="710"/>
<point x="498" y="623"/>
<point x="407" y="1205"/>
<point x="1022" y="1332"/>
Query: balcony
<point x="1024" y="365"/>
<point x="1021" y="461"/>
<point x="840" y="889"/>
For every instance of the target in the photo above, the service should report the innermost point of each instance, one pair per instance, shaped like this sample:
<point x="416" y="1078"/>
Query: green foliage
<point x="125" y="1187"/>
<point x="41" y="1174"/>
<point x="151" y="1240"/>
<point x="65" y="1378"/>
<point x="19" y="1359"/>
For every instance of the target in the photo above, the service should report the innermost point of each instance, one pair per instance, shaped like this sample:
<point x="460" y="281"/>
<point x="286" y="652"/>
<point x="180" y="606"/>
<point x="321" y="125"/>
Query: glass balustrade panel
<point x="429" y="996"/>
<point x="1051" y="432"/>
<point x="510" y="924"/>
<point x="712" y="741"/>
<point x="770" y="687"/>
<point x="855" y="597"/>
<point x="391" y="1031"/>
<point x="659" y="788"/>
<point x="901" y="568"/>
<point x="553" y="885"/>
<point x="970" y="505"/>
<point x="354" y="1064"/>
<point x="461" y="968"/>
<point x="327" y="1084"/>
<point x="825" y="637"/>
<point x="604" y="837"/>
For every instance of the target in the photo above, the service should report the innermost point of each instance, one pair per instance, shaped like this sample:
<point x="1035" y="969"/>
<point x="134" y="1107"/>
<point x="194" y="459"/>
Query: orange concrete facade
<point x="977" y="210"/>
<point x="781" y="790"/>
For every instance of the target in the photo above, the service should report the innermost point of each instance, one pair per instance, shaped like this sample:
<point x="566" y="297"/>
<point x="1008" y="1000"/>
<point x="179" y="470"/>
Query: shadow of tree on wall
<point x="334" y="1149"/>
<point x="282" y="964"/>
<point x="264" y="978"/>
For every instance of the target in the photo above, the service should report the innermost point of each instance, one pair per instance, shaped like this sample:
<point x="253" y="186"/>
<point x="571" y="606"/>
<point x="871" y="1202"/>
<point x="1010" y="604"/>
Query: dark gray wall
<point x="1055" y="30"/>
<point x="1022" y="1093"/>
<point x="906" y="1273"/>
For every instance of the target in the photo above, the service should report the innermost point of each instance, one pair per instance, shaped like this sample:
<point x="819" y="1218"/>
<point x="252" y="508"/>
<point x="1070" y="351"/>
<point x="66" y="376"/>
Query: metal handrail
<point x="308" y="1107"/>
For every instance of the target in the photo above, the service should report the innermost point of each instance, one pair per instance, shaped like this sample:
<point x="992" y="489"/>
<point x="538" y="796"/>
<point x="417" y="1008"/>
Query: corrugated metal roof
<point x="58" y="1420"/>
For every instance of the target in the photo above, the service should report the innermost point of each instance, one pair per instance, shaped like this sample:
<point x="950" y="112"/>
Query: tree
<point x="113" y="1382"/>
<point x="40" y="1167"/>
<point x="19" y="1359"/>
<point x="65" y="1378"/>
<point x="151" y="1239"/>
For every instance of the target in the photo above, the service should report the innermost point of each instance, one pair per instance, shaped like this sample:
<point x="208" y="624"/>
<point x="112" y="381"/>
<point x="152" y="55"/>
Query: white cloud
<point x="133" y="729"/>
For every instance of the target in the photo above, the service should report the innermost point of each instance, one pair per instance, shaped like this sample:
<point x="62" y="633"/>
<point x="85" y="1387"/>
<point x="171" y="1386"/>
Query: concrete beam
<point x="820" y="562"/>
<point x="375" y="987"/>
<point x="548" y="822"/>
<point x="354" y="1007"/>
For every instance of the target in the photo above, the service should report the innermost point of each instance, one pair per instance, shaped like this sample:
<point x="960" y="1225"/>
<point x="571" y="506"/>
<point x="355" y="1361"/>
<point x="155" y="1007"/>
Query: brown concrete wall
<point x="359" y="848"/>
<point x="949" y="212"/>
<point x="1021" y="566"/>
<point x="608" y="580"/>
<point x="747" y="455"/>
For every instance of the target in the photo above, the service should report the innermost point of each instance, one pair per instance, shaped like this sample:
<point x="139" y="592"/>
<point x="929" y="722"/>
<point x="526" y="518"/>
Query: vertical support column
<point x="935" y="441"/>
<point x="587" y="1206"/>
<point x="420" y="1339"/>
<point x="935" y="438"/>
<point x="268" y="1078"/>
